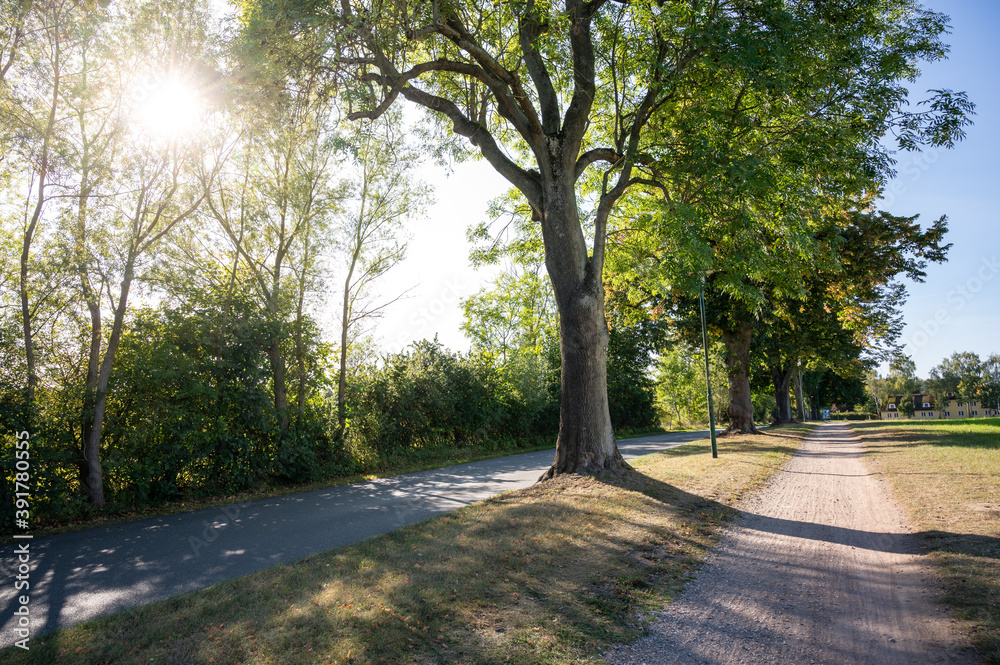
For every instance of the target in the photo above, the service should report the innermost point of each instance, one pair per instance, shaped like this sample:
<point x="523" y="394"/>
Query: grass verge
<point x="550" y="574"/>
<point x="947" y="474"/>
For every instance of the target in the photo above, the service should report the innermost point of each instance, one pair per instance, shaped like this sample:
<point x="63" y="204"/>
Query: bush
<point x="427" y="396"/>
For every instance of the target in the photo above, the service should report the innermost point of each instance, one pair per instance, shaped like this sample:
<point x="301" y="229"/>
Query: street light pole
<point x="708" y="373"/>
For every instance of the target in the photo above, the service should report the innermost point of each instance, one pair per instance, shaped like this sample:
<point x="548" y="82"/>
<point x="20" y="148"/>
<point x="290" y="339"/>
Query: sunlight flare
<point x="172" y="110"/>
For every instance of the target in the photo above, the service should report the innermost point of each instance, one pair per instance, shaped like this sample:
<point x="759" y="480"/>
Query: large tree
<point x="959" y="375"/>
<point x="760" y="169"/>
<point x="851" y="307"/>
<point x="545" y="91"/>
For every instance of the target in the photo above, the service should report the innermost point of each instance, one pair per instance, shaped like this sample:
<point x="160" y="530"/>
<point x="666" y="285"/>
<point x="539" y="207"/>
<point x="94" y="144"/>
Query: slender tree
<point x="384" y="195"/>
<point x="276" y="194"/>
<point x="131" y="187"/>
<point x="31" y="106"/>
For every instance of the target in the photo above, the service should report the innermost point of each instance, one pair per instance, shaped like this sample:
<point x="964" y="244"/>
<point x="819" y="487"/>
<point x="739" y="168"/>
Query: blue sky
<point x="957" y="308"/>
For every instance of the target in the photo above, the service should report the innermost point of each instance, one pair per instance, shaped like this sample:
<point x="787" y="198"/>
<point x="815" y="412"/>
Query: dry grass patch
<point x="550" y="574"/>
<point x="947" y="474"/>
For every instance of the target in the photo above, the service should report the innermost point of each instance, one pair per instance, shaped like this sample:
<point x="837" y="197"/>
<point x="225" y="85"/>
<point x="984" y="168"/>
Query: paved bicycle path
<point x="86" y="574"/>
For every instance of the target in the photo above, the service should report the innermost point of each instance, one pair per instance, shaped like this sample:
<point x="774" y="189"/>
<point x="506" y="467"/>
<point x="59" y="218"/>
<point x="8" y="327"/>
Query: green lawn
<point x="947" y="474"/>
<point x="550" y="574"/>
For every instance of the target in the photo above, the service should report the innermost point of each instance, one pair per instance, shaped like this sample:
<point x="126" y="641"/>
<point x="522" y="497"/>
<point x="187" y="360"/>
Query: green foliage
<point x="190" y="414"/>
<point x="515" y="317"/>
<point x="959" y="375"/>
<point x="989" y="391"/>
<point x="840" y="390"/>
<point x="901" y="380"/>
<point x="765" y="405"/>
<point x="681" y="396"/>
<point x="426" y="396"/>
<point x="906" y="406"/>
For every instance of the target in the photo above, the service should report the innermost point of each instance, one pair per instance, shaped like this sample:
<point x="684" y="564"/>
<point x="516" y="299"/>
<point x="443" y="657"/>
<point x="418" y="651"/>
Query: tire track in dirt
<point x="822" y="567"/>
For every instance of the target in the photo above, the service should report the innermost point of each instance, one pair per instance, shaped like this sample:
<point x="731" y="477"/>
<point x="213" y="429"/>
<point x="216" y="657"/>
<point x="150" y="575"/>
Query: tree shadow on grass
<point x="541" y="574"/>
<point x="774" y="442"/>
<point x="961" y="543"/>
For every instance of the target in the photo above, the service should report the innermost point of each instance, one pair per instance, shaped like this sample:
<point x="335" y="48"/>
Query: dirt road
<point x="821" y="568"/>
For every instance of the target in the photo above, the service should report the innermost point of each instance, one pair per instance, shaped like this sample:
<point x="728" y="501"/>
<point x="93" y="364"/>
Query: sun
<point x="172" y="110"/>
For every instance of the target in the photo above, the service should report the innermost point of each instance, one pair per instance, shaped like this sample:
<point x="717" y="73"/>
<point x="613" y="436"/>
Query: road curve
<point x="86" y="574"/>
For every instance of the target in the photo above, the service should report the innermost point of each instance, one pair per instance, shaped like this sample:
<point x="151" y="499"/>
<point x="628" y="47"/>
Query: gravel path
<point x="821" y="568"/>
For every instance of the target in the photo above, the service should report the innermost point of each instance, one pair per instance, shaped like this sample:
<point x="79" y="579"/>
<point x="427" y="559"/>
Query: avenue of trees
<point x="169" y="269"/>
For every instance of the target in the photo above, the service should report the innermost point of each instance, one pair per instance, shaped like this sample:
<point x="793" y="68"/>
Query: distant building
<point x="925" y="407"/>
<point x="954" y="408"/>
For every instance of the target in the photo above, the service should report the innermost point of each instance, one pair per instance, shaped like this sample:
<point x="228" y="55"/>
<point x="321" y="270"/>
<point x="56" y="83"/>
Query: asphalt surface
<point x="86" y="574"/>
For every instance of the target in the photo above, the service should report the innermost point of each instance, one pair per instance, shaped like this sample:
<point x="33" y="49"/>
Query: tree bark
<point x="800" y="404"/>
<point x="300" y="359"/>
<point x="92" y="444"/>
<point x="29" y="231"/>
<point x="277" y="362"/>
<point x="275" y="357"/>
<point x="740" y="410"/>
<point x="346" y="314"/>
<point x="342" y="370"/>
<point x="781" y="379"/>
<point x="89" y="464"/>
<point x="586" y="442"/>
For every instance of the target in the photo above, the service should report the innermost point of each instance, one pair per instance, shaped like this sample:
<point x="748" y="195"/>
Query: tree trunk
<point x="277" y="361"/>
<point x="89" y="464"/>
<point x="300" y="358"/>
<point x="275" y="357"/>
<point x="780" y="379"/>
<point x="586" y="441"/>
<point x="29" y="345"/>
<point x="342" y="371"/>
<point x="227" y="305"/>
<point x="88" y="457"/>
<point x="800" y="404"/>
<point x="92" y="444"/>
<point x="740" y="410"/>
<point x="29" y="232"/>
<point x="345" y="322"/>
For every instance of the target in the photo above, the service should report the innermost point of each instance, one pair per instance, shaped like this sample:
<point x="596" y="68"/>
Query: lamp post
<point x="708" y="373"/>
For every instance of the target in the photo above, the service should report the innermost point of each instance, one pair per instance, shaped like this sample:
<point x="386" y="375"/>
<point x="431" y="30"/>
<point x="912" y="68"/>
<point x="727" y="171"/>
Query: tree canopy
<point x="178" y="193"/>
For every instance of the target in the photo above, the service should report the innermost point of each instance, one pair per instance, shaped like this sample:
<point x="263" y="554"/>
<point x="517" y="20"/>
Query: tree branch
<point x="525" y="181"/>
<point x="596" y="155"/>
<point x="529" y="29"/>
<point x="584" y="86"/>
